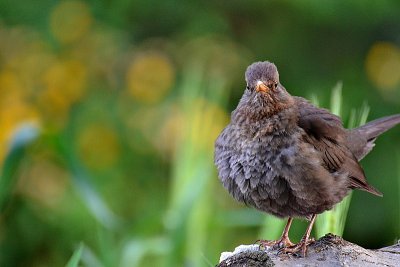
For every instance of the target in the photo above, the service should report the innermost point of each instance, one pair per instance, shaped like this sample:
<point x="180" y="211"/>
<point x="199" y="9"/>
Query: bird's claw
<point x="299" y="249"/>
<point x="276" y="244"/>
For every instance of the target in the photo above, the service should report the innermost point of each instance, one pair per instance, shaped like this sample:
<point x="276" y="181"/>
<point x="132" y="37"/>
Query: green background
<point x="120" y="103"/>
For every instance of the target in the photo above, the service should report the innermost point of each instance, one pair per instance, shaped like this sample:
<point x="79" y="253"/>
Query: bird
<point x="286" y="157"/>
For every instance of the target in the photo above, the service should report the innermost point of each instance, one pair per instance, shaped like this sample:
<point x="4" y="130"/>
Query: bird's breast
<point x="275" y="173"/>
<point x="248" y="157"/>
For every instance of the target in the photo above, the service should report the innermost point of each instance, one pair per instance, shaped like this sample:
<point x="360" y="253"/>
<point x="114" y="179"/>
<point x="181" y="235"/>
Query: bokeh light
<point x="383" y="65"/>
<point x="171" y="131"/>
<point x="205" y="121"/>
<point x="98" y="146"/>
<point x="14" y="108"/>
<point x="44" y="182"/>
<point x="150" y="76"/>
<point x="64" y="83"/>
<point x="70" y="20"/>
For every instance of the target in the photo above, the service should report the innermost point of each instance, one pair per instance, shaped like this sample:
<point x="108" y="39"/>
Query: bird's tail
<point x="371" y="130"/>
<point x="374" y="128"/>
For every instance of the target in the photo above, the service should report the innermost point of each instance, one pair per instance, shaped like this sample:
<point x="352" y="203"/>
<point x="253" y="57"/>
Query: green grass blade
<point x="22" y="139"/>
<point x="190" y="211"/>
<point x="333" y="221"/>
<point x="134" y="250"/>
<point x="314" y="99"/>
<point x="81" y="180"/>
<point x="76" y="257"/>
<point x="336" y="99"/>
<point x="93" y="201"/>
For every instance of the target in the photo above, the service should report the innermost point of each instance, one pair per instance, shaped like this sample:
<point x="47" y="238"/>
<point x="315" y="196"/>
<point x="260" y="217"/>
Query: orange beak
<point x="261" y="87"/>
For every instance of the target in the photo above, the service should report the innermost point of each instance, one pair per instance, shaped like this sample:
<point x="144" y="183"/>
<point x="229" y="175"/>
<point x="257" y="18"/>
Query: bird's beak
<point x="261" y="87"/>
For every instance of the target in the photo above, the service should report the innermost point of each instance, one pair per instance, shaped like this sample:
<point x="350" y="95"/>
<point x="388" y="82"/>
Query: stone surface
<point x="330" y="250"/>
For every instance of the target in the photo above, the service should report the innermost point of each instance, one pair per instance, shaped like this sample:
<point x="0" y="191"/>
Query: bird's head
<point x="264" y="94"/>
<point x="262" y="77"/>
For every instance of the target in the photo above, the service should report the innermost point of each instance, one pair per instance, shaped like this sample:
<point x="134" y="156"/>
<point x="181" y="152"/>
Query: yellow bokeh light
<point x="100" y="49"/>
<point x="10" y="87"/>
<point x="383" y="65"/>
<point x="14" y="109"/>
<point x="30" y="68"/>
<point x="70" y="20"/>
<point x="142" y="125"/>
<point x="171" y="131"/>
<point x="203" y="123"/>
<point x="149" y="77"/>
<point x="65" y="83"/>
<point x="44" y="182"/>
<point x="98" y="146"/>
<point x="15" y="113"/>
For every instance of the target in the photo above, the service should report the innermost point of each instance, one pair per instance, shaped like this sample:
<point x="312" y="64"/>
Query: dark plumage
<point x="284" y="156"/>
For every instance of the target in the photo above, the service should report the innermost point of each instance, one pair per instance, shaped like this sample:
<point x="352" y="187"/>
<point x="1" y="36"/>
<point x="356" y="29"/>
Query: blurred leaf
<point x="314" y="99"/>
<point x="81" y="180"/>
<point x="93" y="201"/>
<point x="90" y="259"/>
<point x="336" y="99"/>
<point x="23" y="137"/>
<point x="76" y="257"/>
<point x="135" y="250"/>
<point x="189" y="214"/>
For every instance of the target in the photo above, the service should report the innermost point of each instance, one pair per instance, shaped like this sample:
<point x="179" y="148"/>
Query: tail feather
<point x="374" y="128"/>
<point x="361" y="139"/>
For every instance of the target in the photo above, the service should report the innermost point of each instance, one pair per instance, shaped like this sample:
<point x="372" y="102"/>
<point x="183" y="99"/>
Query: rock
<point x="328" y="251"/>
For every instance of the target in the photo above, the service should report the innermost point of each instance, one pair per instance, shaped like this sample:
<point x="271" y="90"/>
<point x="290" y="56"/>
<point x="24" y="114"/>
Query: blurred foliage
<point x="74" y="261"/>
<point x="121" y="101"/>
<point x="334" y="220"/>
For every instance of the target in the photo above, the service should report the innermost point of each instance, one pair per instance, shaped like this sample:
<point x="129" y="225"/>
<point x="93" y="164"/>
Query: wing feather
<point x="325" y="132"/>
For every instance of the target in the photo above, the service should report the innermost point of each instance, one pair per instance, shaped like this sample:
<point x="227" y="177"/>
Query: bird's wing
<point x="325" y="132"/>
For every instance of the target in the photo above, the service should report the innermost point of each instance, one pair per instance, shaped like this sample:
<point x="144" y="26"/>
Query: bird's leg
<point x="282" y="242"/>
<point x="304" y="242"/>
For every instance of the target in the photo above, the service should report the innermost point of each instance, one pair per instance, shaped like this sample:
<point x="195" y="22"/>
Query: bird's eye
<point x="275" y="85"/>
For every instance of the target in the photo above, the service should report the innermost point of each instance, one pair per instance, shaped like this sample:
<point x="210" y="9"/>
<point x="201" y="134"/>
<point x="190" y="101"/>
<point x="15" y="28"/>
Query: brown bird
<point x="284" y="156"/>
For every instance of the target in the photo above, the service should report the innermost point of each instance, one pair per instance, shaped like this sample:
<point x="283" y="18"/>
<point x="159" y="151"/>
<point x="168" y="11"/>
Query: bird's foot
<point x="299" y="249"/>
<point x="283" y="242"/>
